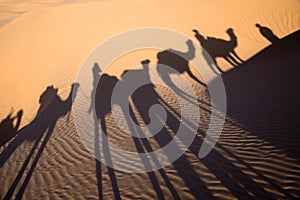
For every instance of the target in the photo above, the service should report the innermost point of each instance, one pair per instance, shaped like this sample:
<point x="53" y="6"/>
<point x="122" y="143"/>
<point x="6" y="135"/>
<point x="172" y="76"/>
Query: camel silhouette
<point x="216" y="47"/>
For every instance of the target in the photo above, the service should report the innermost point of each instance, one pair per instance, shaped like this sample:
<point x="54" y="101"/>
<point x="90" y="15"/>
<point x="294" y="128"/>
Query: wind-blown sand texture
<point x="257" y="155"/>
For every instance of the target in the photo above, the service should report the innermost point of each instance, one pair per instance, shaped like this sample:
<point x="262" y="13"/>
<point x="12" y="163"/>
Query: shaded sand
<point x="256" y="155"/>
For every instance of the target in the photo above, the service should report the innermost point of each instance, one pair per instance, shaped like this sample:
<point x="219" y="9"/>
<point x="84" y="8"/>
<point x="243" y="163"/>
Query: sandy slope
<point x="47" y="46"/>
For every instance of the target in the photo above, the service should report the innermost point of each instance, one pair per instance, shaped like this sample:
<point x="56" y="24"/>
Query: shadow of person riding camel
<point x="9" y="128"/>
<point x="52" y="107"/>
<point x="101" y="106"/>
<point x="217" y="47"/>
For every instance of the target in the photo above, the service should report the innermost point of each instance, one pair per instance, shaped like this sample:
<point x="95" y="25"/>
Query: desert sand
<point x="257" y="156"/>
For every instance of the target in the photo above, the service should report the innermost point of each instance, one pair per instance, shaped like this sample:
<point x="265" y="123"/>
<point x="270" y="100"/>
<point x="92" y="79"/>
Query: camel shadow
<point x="179" y="61"/>
<point x="52" y="107"/>
<point x="103" y="92"/>
<point x="217" y="47"/>
<point x="149" y="95"/>
<point x="143" y="99"/>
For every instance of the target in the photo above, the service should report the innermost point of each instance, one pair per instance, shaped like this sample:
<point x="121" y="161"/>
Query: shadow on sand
<point x="217" y="47"/>
<point x="39" y="131"/>
<point x="262" y="96"/>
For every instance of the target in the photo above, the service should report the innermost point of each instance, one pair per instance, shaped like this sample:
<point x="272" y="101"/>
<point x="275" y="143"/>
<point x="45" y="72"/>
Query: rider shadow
<point x="9" y="128"/>
<point x="230" y="175"/>
<point x="217" y="47"/>
<point x="102" y="102"/>
<point x="268" y="34"/>
<point x="52" y="107"/>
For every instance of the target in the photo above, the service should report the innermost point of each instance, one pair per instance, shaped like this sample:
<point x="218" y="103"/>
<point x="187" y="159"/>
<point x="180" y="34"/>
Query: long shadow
<point x="103" y="92"/>
<point x="227" y="173"/>
<point x="52" y="107"/>
<point x="217" y="47"/>
<point x="259" y="173"/>
<point x="238" y="183"/>
<point x="142" y="144"/>
<point x="231" y="176"/>
<point x="143" y="149"/>
<point x="144" y="98"/>
<point x="9" y="128"/>
<point x="96" y="76"/>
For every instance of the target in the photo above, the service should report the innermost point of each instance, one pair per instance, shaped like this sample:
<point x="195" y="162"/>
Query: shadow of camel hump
<point x="217" y="47"/>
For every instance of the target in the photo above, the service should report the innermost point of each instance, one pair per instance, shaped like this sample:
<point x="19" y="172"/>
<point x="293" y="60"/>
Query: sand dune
<point x="257" y="154"/>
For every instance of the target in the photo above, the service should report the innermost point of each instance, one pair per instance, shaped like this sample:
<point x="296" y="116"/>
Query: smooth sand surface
<point x="45" y="43"/>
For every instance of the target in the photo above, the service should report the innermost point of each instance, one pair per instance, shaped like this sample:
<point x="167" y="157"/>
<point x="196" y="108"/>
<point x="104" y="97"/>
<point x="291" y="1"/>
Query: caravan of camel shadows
<point x="52" y="107"/>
